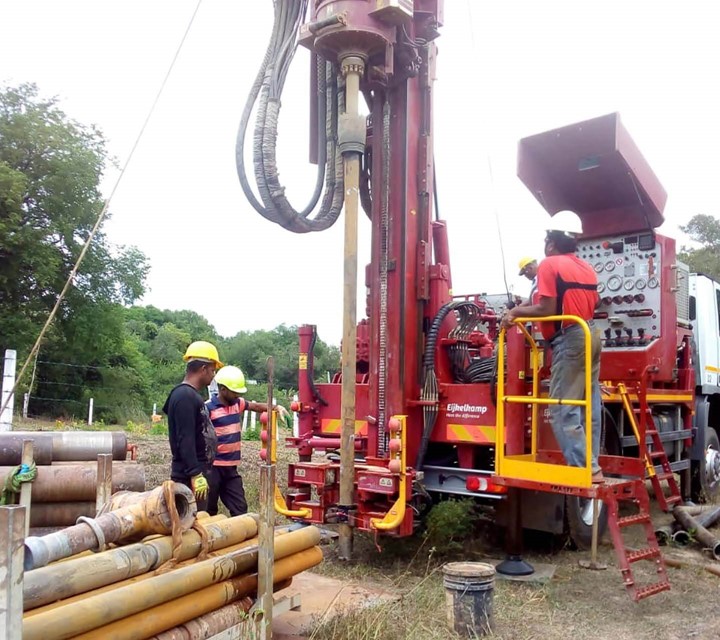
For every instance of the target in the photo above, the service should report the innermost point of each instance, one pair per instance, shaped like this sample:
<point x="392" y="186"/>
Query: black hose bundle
<point x="268" y="87"/>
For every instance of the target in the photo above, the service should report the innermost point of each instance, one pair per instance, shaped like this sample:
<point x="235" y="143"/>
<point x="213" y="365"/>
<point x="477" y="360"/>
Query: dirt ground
<point x="575" y="603"/>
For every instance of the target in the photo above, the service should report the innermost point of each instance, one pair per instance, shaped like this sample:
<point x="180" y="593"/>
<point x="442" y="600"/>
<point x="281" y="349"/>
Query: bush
<point x="449" y="523"/>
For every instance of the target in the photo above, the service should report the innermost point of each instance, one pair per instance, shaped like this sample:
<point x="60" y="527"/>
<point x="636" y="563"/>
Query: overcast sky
<point x="505" y="70"/>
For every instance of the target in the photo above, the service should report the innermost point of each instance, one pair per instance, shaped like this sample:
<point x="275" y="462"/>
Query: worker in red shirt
<point x="567" y="285"/>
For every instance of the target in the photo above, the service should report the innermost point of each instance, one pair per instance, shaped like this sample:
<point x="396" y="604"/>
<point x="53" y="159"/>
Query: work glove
<point x="199" y="486"/>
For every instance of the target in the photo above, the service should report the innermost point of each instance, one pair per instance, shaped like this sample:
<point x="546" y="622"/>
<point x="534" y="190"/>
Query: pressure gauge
<point x="652" y="283"/>
<point x="629" y="284"/>
<point x="614" y="283"/>
<point x="610" y="265"/>
<point x="640" y="284"/>
<point x="601" y="287"/>
<point x="599" y="266"/>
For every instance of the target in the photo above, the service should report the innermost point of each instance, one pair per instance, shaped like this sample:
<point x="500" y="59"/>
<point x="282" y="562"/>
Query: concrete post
<point x="7" y="397"/>
<point x="90" y="412"/>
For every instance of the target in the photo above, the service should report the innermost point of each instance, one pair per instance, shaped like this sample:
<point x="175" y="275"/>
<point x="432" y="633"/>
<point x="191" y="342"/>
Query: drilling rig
<point x="433" y="399"/>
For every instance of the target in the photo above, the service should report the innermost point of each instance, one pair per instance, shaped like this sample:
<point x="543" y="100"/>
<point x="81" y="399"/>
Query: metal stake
<point x="594" y="564"/>
<point x="266" y="530"/>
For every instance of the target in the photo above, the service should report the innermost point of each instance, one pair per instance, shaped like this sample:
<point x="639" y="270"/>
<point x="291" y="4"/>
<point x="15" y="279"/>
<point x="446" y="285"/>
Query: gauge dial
<point x="599" y="266"/>
<point x="629" y="284"/>
<point x="614" y="283"/>
<point x="610" y="266"/>
<point x="640" y="284"/>
<point x="601" y="287"/>
<point x="652" y="283"/>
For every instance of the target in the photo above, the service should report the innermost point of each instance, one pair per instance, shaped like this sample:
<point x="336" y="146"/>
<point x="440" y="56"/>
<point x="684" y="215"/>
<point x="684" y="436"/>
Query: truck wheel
<point x="706" y="472"/>
<point x="579" y="514"/>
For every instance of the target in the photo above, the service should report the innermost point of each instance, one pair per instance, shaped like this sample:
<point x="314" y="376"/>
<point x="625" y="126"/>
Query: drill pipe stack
<point x="193" y="598"/>
<point x="63" y="446"/>
<point x="138" y="514"/>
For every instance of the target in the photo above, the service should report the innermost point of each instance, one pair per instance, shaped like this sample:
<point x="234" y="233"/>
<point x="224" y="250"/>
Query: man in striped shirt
<point x="226" y="413"/>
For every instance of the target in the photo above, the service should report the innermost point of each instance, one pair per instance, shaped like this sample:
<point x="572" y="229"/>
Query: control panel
<point x="628" y="269"/>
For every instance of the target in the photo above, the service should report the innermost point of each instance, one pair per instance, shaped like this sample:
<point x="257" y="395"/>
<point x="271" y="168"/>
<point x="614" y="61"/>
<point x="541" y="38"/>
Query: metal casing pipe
<point x="149" y="516"/>
<point x="168" y="615"/>
<point x="82" y="445"/>
<point x="700" y="533"/>
<point x="66" y="579"/>
<point x="59" y="514"/>
<point x="11" y="445"/>
<point x="78" y="483"/>
<point x="118" y="604"/>
<point x="209" y="624"/>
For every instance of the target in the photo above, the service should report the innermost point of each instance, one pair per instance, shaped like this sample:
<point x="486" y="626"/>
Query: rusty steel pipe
<point x="251" y="542"/>
<point x="59" y="514"/>
<point x="78" y="483"/>
<point x="82" y="445"/>
<point x="209" y="624"/>
<point x="117" y="604"/>
<point x="168" y="615"/>
<point x="146" y="517"/>
<point x="695" y="529"/>
<point x="11" y="445"/>
<point x="85" y="573"/>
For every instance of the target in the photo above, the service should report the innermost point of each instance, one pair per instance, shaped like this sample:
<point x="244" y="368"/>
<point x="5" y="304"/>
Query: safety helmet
<point x="202" y="350"/>
<point x="524" y="262"/>
<point x="232" y="378"/>
<point x="568" y="222"/>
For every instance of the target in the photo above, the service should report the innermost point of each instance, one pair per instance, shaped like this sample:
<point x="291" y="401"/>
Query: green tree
<point x="705" y="231"/>
<point x="50" y="172"/>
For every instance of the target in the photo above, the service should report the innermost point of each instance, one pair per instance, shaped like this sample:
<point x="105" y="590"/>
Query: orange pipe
<point x="166" y="616"/>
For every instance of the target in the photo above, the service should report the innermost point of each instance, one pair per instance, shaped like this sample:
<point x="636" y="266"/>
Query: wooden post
<point x="12" y="534"/>
<point x="266" y="530"/>
<point x="26" y="487"/>
<point x="104" y="481"/>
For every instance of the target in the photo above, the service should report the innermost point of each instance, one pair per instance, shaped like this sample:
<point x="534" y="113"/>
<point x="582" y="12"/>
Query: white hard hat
<point x="566" y="221"/>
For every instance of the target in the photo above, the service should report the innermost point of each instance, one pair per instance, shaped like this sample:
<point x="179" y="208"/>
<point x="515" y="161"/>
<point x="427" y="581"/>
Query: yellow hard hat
<point x="524" y="262"/>
<point x="202" y="350"/>
<point x="232" y="378"/>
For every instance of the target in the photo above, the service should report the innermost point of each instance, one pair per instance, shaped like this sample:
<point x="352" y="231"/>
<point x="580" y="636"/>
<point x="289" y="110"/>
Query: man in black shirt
<point x="192" y="438"/>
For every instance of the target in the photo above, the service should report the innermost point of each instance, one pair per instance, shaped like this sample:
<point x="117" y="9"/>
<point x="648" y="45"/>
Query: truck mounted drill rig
<point x="433" y="399"/>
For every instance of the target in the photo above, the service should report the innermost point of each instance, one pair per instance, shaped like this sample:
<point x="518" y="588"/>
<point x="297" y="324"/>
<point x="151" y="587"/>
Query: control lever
<point x="641" y="337"/>
<point x="609" y="342"/>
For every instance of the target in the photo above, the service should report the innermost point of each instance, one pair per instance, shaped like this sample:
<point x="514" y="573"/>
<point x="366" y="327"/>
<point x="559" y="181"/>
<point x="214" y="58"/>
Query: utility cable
<point x="101" y="215"/>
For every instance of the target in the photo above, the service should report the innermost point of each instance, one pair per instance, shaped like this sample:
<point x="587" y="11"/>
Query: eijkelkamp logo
<point x="454" y="407"/>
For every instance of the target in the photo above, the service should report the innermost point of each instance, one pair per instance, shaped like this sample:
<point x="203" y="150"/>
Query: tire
<point x="706" y="472"/>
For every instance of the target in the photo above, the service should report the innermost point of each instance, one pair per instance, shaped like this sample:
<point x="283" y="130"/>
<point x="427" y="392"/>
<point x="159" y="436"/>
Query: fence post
<point x="26" y="402"/>
<point x="90" y="412"/>
<point x="12" y="533"/>
<point x="253" y="420"/>
<point x="245" y="421"/>
<point x="8" y="382"/>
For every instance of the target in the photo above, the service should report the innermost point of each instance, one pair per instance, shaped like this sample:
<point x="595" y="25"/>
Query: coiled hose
<point x="267" y="91"/>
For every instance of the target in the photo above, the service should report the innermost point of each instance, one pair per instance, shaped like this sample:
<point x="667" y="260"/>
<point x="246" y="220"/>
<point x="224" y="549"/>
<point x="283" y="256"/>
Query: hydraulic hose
<point x="266" y="91"/>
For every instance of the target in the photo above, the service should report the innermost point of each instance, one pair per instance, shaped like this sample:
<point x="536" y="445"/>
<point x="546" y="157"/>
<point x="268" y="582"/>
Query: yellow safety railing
<point x="625" y="396"/>
<point x="526" y="466"/>
<point x="279" y="501"/>
<point x="398" y="464"/>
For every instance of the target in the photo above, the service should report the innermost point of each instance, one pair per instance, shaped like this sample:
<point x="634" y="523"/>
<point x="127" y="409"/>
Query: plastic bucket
<point x="469" y="597"/>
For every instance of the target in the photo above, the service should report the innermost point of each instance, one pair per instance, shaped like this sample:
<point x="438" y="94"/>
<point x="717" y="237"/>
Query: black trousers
<point x="227" y="485"/>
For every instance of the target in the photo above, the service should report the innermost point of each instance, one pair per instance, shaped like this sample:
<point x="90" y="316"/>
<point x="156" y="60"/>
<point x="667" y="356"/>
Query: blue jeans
<point x="567" y="381"/>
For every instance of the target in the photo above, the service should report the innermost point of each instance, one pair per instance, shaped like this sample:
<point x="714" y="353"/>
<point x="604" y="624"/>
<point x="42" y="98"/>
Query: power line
<point x="101" y="215"/>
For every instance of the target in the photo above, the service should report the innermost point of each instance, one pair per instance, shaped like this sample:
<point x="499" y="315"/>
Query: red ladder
<point x="614" y="493"/>
<point x="643" y="424"/>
